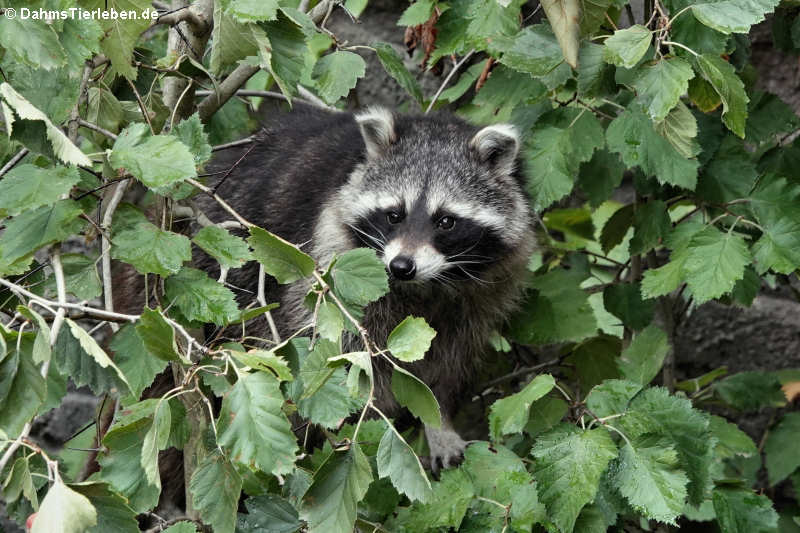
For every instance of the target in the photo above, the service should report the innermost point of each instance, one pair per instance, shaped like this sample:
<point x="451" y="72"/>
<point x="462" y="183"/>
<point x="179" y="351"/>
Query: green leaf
<point x="680" y="129"/>
<point x="534" y="50"/>
<point x="781" y="458"/>
<point x="557" y="310"/>
<point x="359" y="276"/>
<point x="74" y="361"/>
<point x="565" y="17"/>
<point x="655" y="411"/>
<point x="329" y="504"/>
<point x="616" y="228"/>
<point x="600" y="176"/>
<point x="20" y="482"/>
<point x="740" y="510"/>
<point x="156" y="439"/>
<point x="660" y="86"/>
<point x="64" y="511"/>
<point x="31" y="230"/>
<point x="31" y="42"/>
<point x="232" y="41"/>
<point x="80" y="276"/>
<point x="489" y="19"/>
<point x="268" y="513"/>
<point x="215" y="487"/>
<point x="22" y="391"/>
<point x="642" y="360"/>
<point x="452" y="495"/>
<point x="120" y="36"/>
<point x="200" y="298"/>
<point x="626" y="47"/>
<point x="288" y="51"/>
<point x="569" y="463"/>
<point x="624" y="301"/>
<point x="397" y="461"/>
<point x="28" y="187"/>
<point x="564" y="138"/>
<point x="184" y="526"/>
<point x="633" y="136"/>
<point x="191" y="134"/>
<point x="151" y="250"/>
<point x="750" y="391"/>
<point x="544" y="414"/>
<point x="265" y="361"/>
<point x="155" y="160"/>
<point x="730" y="175"/>
<point x="253" y="10"/>
<point x="393" y="64"/>
<point x="91" y="347"/>
<point x="330" y="321"/>
<point x="730" y="88"/>
<point x="157" y="335"/>
<point x="612" y="396"/>
<point x="768" y="116"/>
<point x="253" y="427"/>
<point x="230" y="251"/>
<point x="414" y="395"/>
<point x="417" y="13"/>
<point x="510" y="414"/>
<point x="113" y="511"/>
<point x="732" y="441"/>
<point x="714" y="262"/>
<point x="134" y="360"/>
<point x="733" y="16"/>
<point x="410" y="339"/>
<point x="779" y="247"/>
<point x="335" y="74"/>
<point x="281" y="260"/>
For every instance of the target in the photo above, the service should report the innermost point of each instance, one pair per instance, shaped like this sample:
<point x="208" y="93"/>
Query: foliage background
<point x="720" y="219"/>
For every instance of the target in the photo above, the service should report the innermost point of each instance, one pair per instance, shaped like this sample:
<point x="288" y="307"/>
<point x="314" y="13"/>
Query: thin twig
<point x="13" y="161"/>
<point x="98" y="129"/>
<point x="105" y="243"/>
<point x="234" y="144"/>
<point x="450" y="75"/>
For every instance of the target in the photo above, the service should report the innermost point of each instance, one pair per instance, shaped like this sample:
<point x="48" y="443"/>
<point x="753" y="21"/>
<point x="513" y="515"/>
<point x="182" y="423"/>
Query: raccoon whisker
<point x="376" y="241"/>
<point x="457" y="263"/>
<point x="376" y="228"/>
<point x="475" y="278"/>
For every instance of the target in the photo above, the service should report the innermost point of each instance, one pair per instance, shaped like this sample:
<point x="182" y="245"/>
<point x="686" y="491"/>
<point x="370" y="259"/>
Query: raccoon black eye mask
<point x="441" y="202"/>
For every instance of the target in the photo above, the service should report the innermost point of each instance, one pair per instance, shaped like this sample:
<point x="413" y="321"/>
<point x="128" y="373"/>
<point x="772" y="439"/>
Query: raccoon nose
<point x="403" y="267"/>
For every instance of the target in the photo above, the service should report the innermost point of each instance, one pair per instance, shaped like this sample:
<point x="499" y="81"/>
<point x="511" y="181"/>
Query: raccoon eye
<point x="446" y="223"/>
<point x="393" y="217"/>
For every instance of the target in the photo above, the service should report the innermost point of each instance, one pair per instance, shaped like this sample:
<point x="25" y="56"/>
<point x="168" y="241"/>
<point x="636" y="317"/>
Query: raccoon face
<point x="437" y="200"/>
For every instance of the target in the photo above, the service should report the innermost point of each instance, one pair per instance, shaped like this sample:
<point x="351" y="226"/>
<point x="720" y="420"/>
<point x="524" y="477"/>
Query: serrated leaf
<point x="253" y="10"/>
<point x="266" y="361"/>
<point x="564" y="138"/>
<point x="80" y="276"/>
<point x="359" y="276"/>
<point x="64" y="511"/>
<point x="489" y="19"/>
<point x="232" y="41"/>
<point x="397" y="461"/>
<point x="281" y="260"/>
<point x="780" y="454"/>
<point x="22" y="391"/>
<point x="28" y="187"/>
<point x="624" y="301"/>
<point x="417" y="13"/>
<point x="329" y="504"/>
<point x="230" y="251"/>
<point x="616" y="227"/>
<point x="642" y="360"/>
<point x="569" y="463"/>
<point x="190" y="133"/>
<point x="200" y="298"/>
<point x="534" y="50"/>
<point x="655" y="411"/>
<point x="730" y="175"/>
<point x="134" y="360"/>
<point x="648" y="475"/>
<point x="91" y="347"/>
<point x="779" y="247"/>
<point x="660" y="86"/>
<point x="268" y="513"/>
<point x="452" y="495"/>
<point x="74" y="361"/>
<point x="330" y="321"/>
<point x="20" y="482"/>
<point x="740" y="510"/>
<point x="565" y="18"/>
<point x="335" y="74"/>
<point x="253" y="427"/>
<point x="633" y="135"/>
<point x="120" y="36"/>
<point x="215" y="487"/>
<point x="612" y="396"/>
<point x="730" y="88"/>
<point x="680" y="129"/>
<point x="286" y="59"/>
<point x="33" y="229"/>
<point x="544" y="414"/>
<point x="732" y="441"/>
<point x="155" y="439"/>
<point x="414" y="395"/>
<point x="157" y="335"/>
<point x="733" y="16"/>
<point x="151" y="250"/>
<point x="393" y="64"/>
<point x="113" y="511"/>
<point x="155" y="160"/>
<point x="714" y="262"/>
<point x="410" y="339"/>
<point x="626" y="47"/>
<point x="31" y="42"/>
<point x="600" y="176"/>
<point x="509" y="415"/>
<point x="750" y="391"/>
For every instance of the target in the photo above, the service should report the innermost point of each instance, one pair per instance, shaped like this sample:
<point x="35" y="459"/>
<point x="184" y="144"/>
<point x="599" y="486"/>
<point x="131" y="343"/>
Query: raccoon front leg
<point x="446" y="446"/>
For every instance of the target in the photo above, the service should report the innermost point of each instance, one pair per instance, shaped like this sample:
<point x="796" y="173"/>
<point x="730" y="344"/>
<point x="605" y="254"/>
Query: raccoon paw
<point x="446" y="446"/>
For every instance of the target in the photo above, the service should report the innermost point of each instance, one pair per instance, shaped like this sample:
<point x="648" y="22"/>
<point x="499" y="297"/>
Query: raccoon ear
<point x="377" y="129"/>
<point x="497" y="146"/>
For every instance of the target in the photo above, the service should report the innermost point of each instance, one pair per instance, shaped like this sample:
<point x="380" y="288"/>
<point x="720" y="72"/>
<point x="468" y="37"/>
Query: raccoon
<point x="443" y="204"/>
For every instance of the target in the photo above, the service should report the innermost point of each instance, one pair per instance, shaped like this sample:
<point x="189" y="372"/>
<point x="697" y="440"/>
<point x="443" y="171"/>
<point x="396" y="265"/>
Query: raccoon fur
<point x="442" y="203"/>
